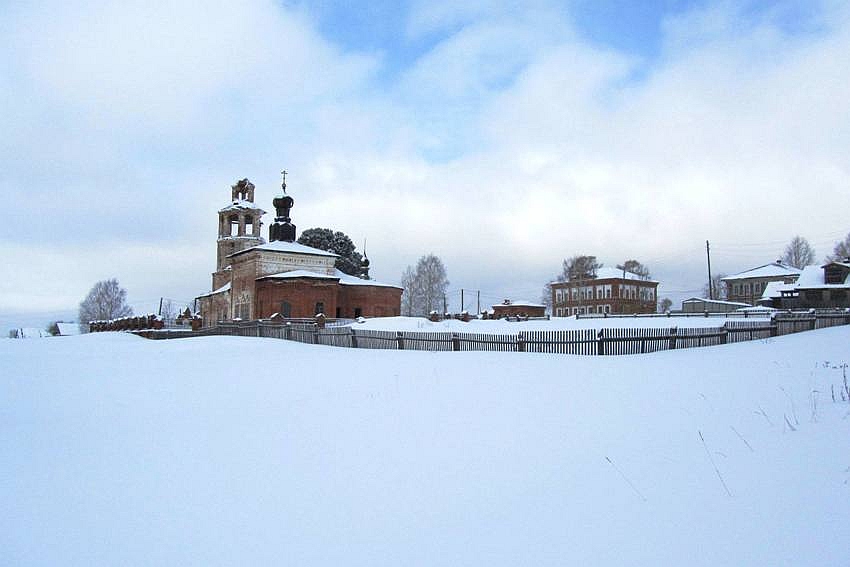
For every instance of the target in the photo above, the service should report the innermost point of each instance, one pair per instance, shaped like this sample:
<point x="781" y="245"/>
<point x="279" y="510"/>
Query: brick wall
<point x="500" y="311"/>
<point x="302" y="294"/>
<point x="373" y="301"/>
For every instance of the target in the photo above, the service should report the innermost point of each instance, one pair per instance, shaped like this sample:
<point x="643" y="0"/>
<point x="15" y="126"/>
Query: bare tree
<point x="408" y="296"/>
<point x="636" y="268"/>
<point x="168" y="311"/>
<point x="841" y="251"/>
<point x="106" y="300"/>
<point x="665" y="305"/>
<point x="425" y="286"/>
<point x="546" y="294"/>
<point x="799" y="253"/>
<point x="580" y="268"/>
<point x="720" y="291"/>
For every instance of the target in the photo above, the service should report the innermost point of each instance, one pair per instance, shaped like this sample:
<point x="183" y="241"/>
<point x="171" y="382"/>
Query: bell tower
<point x="238" y="228"/>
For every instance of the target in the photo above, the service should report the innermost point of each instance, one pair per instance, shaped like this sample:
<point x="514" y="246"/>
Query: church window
<point x="358" y="312"/>
<point x="285" y="309"/>
<point x="320" y="307"/>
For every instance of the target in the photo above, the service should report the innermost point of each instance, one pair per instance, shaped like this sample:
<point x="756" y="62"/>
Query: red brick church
<point x="255" y="279"/>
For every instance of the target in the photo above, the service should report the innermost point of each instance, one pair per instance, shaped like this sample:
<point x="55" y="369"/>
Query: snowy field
<point x="237" y="451"/>
<point x="499" y="326"/>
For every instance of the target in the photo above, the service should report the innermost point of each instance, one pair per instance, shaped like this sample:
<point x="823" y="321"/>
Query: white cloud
<point x="128" y="126"/>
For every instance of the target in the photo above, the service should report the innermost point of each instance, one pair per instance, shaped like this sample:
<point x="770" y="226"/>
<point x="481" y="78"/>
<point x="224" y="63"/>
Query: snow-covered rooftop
<point x="241" y="205"/>
<point x="68" y="329"/>
<point x="774" y="269"/>
<point x="813" y="276"/>
<point x="518" y="303"/>
<point x="721" y="301"/>
<point x="288" y="247"/>
<point x="614" y="273"/>
<point x="345" y="279"/>
<point x="342" y="277"/>
<point x="606" y="272"/>
<point x="775" y="289"/>
<point x="222" y="289"/>
<point x="295" y="274"/>
<point x="756" y="309"/>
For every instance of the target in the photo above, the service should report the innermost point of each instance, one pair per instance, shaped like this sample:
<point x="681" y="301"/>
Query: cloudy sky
<point x="501" y="136"/>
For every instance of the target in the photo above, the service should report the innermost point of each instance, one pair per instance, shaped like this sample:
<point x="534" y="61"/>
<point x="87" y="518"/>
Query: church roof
<point x="288" y="247"/>
<point x="345" y="279"/>
<point x="296" y="274"/>
<point x="222" y="289"/>
<point x="241" y="205"/>
<point x="341" y="277"/>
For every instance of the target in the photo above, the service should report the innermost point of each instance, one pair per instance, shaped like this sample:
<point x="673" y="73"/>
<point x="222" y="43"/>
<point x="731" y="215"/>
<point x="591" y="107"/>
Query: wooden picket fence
<point x="604" y="342"/>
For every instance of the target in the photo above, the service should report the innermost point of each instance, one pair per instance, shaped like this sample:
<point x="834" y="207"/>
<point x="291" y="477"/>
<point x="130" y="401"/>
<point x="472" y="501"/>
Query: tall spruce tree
<point x="350" y="260"/>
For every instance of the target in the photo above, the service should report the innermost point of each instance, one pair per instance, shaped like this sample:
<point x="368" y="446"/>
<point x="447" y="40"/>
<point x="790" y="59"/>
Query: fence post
<point x="353" y="337"/>
<point x="400" y="338"/>
<point x="600" y="342"/>
<point x="315" y="334"/>
<point x="724" y="334"/>
<point x="774" y="328"/>
<point x="455" y="342"/>
<point x="673" y="332"/>
<point x="287" y="331"/>
<point x="814" y="323"/>
<point x="258" y="329"/>
<point x="520" y="342"/>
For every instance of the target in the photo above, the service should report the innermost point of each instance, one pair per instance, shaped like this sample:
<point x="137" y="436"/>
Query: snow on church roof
<point x="288" y="247"/>
<point x="342" y="277"/>
<point x="241" y="205"/>
<point x="222" y="289"/>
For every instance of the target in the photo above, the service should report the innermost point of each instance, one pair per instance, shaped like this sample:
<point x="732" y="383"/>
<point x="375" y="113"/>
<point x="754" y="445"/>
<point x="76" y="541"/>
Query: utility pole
<point x="710" y="282"/>
<point x="478" y="312"/>
<point x="461" y="300"/>
<point x="160" y="307"/>
<point x="445" y="307"/>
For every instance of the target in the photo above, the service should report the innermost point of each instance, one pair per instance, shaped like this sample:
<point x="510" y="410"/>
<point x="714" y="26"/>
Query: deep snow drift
<point x="237" y="451"/>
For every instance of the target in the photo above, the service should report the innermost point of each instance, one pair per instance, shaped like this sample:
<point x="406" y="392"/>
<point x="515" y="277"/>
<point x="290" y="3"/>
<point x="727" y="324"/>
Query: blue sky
<point x="494" y="134"/>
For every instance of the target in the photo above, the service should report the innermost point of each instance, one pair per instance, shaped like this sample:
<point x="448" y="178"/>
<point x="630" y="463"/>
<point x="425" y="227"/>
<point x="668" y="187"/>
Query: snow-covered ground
<point x="502" y="326"/>
<point x="238" y="451"/>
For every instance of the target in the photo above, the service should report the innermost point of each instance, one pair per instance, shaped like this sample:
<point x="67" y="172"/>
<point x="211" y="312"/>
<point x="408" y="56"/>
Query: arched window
<point x="285" y="309"/>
